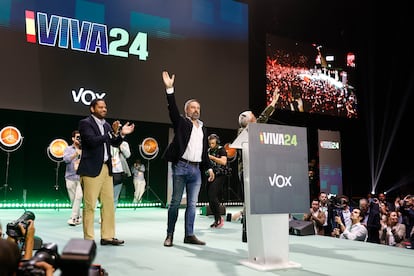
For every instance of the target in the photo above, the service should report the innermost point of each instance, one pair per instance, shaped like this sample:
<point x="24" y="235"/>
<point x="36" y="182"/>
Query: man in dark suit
<point x="188" y="155"/>
<point x="95" y="170"/>
<point x="372" y="219"/>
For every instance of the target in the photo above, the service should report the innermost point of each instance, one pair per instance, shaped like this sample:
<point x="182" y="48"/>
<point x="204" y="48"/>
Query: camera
<point x="47" y="253"/>
<point x="76" y="259"/>
<point x="78" y="138"/>
<point x="13" y="229"/>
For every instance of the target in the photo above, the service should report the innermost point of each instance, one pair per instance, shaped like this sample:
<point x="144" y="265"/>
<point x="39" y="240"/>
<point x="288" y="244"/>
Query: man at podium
<point x="245" y="118"/>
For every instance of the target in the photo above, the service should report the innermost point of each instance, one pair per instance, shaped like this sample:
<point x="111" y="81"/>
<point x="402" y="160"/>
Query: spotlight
<point x="56" y="149"/>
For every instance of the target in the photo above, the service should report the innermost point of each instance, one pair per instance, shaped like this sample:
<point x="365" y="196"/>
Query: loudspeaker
<point x="206" y="210"/>
<point x="301" y="228"/>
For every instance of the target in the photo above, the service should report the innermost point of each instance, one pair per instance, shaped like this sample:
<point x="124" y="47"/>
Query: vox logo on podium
<point x="280" y="181"/>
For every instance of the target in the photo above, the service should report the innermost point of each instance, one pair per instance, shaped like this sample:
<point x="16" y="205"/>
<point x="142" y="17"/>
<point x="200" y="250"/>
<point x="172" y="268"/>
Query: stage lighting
<point x="55" y="152"/>
<point x="11" y="139"/>
<point x="56" y="149"/>
<point x="149" y="148"/>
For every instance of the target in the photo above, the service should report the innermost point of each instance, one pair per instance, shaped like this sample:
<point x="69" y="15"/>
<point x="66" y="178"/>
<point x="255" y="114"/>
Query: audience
<point x="392" y="232"/>
<point x="317" y="216"/>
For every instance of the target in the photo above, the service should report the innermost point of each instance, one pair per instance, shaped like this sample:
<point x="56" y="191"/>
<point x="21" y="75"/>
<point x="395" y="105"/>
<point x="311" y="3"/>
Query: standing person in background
<point x="218" y="158"/>
<point x="188" y="154"/>
<point x="120" y="168"/>
<point x="95" y="170"/>
<point x="138" y="170"/>
<point x="372" y="219"/>
<point x="317" y="216"/>
<point x="71" y="156"/>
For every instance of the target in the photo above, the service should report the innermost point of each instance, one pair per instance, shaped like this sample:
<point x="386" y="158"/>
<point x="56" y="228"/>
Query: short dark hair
<point x="95" y="101"/>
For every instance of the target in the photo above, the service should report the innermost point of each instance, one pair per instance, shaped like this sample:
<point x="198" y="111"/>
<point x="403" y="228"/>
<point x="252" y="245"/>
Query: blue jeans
<point x="188" y="177"/>
<point x="117" y="192"/>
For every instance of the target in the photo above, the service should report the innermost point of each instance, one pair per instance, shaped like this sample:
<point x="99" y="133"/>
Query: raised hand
<point x="168" y="81"/>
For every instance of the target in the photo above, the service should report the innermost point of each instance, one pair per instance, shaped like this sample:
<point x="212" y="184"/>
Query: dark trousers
<point x="214" y="191"/>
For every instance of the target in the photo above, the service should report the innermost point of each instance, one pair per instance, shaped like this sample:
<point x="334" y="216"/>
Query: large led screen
<point x="311" y="77"/>
<point x="56" y="56"/>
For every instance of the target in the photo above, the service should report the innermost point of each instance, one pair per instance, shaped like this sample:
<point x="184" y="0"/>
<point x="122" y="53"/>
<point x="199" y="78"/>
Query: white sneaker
<point x="78" y="221"/>
<point x="72" y="222"/>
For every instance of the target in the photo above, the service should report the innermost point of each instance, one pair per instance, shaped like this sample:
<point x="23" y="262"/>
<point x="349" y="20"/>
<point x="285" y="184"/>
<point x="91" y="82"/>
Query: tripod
<point x="148" y="187"/>
<point x="6" y="185"/>
<point x="55" y="153"/>
<point x="149" y="150"/>
<point x="11" y="140"/>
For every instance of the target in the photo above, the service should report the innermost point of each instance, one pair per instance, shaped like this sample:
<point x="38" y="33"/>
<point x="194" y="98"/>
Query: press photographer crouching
<point x="16" y="253"/>
<point x="19" y="246"/>
<point x="76" y="259"/>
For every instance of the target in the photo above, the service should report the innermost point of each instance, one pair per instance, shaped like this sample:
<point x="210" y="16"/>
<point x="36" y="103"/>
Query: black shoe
<point x="168" y="241"/>
<point x="193" y="240"/>
<point x="113" y="241"/>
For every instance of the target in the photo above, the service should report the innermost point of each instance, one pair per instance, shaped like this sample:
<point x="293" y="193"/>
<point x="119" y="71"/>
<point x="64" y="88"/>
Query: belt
<point x="189" y="162"/>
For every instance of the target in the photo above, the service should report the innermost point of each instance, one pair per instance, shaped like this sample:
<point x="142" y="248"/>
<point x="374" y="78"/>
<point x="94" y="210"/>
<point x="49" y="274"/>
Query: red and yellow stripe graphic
<point x="30" y="27"/>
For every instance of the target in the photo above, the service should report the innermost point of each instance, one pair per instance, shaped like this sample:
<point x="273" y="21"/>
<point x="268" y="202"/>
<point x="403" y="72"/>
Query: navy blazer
<point x="92" y="141"/>
<point x="182" y="132"/>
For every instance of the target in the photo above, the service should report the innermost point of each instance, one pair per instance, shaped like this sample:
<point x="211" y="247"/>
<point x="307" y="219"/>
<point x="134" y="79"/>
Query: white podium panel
<point x="270" y="179"/>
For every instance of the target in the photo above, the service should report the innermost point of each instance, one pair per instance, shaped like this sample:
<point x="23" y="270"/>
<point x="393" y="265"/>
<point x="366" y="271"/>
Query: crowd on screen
<point x="304" y="89"/>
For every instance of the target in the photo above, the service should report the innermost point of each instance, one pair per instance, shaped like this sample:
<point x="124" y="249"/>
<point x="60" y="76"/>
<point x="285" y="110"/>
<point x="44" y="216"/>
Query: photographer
<point x="71" y="156"/>
<point x="19" y="248"/>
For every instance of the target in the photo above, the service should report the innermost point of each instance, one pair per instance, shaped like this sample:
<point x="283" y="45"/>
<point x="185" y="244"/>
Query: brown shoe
<point x="112" y="242"/>
<point x="193" y="240"/>
<point x="168" y="241"/>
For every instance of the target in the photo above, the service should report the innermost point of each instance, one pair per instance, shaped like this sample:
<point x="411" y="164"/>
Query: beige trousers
<point x="98" y="188"/>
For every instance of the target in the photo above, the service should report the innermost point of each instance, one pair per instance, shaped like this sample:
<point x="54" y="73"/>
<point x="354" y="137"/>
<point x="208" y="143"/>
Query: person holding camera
<point x="138" y="170"/>
<point x="355" y="231"/>
<point x="71" y="156"/>
<point x="16" y="250"/>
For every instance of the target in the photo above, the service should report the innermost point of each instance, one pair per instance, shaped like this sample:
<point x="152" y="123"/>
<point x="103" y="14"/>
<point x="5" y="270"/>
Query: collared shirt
<point x="194" y="149"/>
<point x="356" y="232"/>
<point x="100" y="123"/>
<point x="325" y="210"/>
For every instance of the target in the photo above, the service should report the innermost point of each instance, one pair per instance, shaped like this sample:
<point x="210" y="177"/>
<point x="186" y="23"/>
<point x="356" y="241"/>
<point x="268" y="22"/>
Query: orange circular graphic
<point x="150" y="146"/>
<point x="57" y="147"/>
<point x="10" y="136"/>
<point x="231" y="152"/>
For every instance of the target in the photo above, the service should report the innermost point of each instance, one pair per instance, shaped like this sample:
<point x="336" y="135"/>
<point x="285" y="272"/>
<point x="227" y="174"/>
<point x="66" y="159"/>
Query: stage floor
<point x="144" y="231"/>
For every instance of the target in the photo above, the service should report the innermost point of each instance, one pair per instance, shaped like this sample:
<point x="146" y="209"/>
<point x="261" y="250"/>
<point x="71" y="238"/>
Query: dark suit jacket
<point x="182" y="132"/>
<point x="93" y="142"/>
<point x="373" y="223"/>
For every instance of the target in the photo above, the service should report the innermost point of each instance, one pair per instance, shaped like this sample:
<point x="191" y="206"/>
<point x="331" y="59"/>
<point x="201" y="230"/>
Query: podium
<point x="266" y="182"/>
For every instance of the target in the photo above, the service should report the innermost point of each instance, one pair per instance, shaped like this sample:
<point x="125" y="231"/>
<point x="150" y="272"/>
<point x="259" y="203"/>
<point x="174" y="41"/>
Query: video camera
<point x="337" y="202"/>
<point x="13" y="229"/>
<point x="76" y="259"/>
